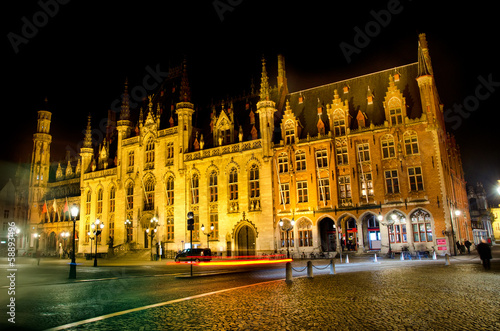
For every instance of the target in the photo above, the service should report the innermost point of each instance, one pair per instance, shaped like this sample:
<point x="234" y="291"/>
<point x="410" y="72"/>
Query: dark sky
<point x="80" y="53"/>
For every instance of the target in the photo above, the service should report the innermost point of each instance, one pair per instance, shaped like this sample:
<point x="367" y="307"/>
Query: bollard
<point x="332" y="267"/>
<point x="434" y="257"/>
<point x="346" y="258"/>
<point x="447" y="259"/>
<point x="340" y="257"/>
<point x="375" y="260"/>
<point x="402" y="257"/>
<point x="288" y="273"/>
<point x="309" y="269"/>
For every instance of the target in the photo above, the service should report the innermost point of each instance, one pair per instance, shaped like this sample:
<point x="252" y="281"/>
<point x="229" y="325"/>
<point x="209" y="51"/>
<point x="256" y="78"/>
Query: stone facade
<point x="347" y="162"/>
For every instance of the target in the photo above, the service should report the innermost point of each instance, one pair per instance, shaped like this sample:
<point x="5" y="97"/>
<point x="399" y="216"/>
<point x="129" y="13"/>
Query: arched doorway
<point x="52" y="242"/>
<point x="349" y="233"/>
<point x="328" y="235"/>
<point x="245" y="241"/>
<point x="371" y="233"/>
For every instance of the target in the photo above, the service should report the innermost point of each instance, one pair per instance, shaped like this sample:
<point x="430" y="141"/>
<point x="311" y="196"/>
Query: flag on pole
<point x="44" y="210"/>
<point x="54" y="205"/>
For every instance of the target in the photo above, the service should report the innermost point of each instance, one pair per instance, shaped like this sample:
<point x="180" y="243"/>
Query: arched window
<point x="421" y="226"/>
<point x="212" y="187"/>
<point x="112" y="196"/>
<point x="150" y="153"/>
<point x="195" y="195"/>
<point x="130" y="196"/>
<point x="395" y="113"/>
<point x="100" y="193"/>
<point x="397" y="227"/>
<point x="88" y="202"/>
<point x="149" y="188"/>
<point x="170" y="191"/>
<point x="233" y="184"/>
<point x="304" y="230"/>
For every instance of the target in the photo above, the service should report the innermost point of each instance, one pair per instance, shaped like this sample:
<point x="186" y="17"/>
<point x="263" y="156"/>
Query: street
<point x="388" y="295"/>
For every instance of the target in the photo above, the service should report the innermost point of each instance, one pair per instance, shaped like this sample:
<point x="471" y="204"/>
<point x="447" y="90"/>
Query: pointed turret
<point x="424" y="59"/>
<point x="264" y="82"/>
<point x="125" y="109"/>
<point x="87" y="152"/>
<point x="184" y="110"/>
<point x="266" y="108"/>
<point x="185" y="92"/>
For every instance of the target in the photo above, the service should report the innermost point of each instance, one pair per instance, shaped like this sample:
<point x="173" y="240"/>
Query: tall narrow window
<point x="212" y="187"/>
<point x="411" y="144"/>
<point x="170" y="153"/>
<point x="322" y="158"/>
<point x="88" y="202"/>
<point x="170" y="191"/>
<point x="415" y="179"/>
<point x="111" y="226"/>
<point x="254" y="182"/>
<point x="112" y="195"/>
<point x="170" y="228"/>
<point x="324" y="189"/>
<point x="388" y="149"/>
<point x="302" y="192"/>
<point x="366" y="184"/>
<point x="149" y="187"/>
<point x="396" y="116"/>
<point x="130" y="165"/>
<point x="99" y="201"/>
<point x="130" y="196"/>
<point x="233" y="184"/>
<point x="342" y="158"/>
<point x="283" y="163"/>
<point x="339" y="127"/>
<point x="289" y="132"/>
<point x="150" y="154"/>
<point x="364" y="152"/>
<point x="285" y="193"/>
<point x="300" y="161"/>
<point x="391" y="181"/>
<point x="214" y="220"/>
<point x="345" y="190"/>
<point x="421" y="226"/>
<point x="87" y="230"/>
<point x="195" y="195"/>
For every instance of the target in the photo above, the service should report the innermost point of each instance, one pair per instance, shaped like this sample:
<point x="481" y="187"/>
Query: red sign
<point x="441" y="242"/>
<point x="442" y="248"/>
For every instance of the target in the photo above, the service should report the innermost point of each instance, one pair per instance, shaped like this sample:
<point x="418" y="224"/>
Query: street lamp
<point x="128" y="225"/>
<point x="208" y="234"/>
<point x="96" y="227"/>
<point x="388" y="223"/>
<point x="153" y="230"/>
<point x="287" y="229"/>
<point x="72" y="265"/>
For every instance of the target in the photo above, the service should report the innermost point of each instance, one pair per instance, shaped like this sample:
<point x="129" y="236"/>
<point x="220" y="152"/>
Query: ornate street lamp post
<point x="388" y="223"/>
<point x="208" y="234"/>
<point x="72" y="265"/>
<point x="287" y="229"/>
<point x="96" y="227"/>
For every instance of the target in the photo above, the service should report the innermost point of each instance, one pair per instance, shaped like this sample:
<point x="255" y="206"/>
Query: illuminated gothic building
<point x="358" y="164"/>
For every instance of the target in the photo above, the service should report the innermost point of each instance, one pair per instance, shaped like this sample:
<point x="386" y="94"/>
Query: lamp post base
<point x="72" y="270"/>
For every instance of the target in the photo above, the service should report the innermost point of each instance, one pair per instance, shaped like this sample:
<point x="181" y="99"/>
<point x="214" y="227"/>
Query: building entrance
<point x="245" y="241"/>
<point x="328" y="235"/>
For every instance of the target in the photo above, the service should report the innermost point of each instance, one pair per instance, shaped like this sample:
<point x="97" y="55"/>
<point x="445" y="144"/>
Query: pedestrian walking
<point x="467" y="244"/>
<point x="484" y="251"/>
<point x="458" y="247"/>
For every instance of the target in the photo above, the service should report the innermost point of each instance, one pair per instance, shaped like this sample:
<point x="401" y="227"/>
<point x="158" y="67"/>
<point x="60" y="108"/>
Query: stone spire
<point x="185" y="92"/>
<point x="424" y="59"/>
<point x="125" y="109"/>
<point x="264" y="82"/>
<point x="87" y="142"/>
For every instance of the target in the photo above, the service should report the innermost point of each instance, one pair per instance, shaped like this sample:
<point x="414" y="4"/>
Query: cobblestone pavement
<point x="426" y="297"/>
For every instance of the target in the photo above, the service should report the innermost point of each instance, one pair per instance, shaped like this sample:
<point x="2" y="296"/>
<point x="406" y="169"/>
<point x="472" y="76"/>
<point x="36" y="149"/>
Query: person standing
<point x="484" y="251"/>
<point x="467" y="244"/>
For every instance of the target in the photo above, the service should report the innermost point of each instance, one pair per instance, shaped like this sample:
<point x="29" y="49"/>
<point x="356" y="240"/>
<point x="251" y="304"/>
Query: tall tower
<point x="87" y="152"/>
<point x="266" y="109"/>
<point x="124" y="126"/>
<point x="184" y="110"/>
<point x="40" y="160"/>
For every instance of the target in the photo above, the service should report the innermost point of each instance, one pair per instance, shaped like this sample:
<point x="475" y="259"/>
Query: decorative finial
<point x="264" y="83"/>
<point x="87" y="142"/>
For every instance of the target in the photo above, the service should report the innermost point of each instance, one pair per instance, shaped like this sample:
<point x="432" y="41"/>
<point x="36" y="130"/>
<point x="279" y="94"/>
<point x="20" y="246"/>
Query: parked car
<point x="195" y="254"/>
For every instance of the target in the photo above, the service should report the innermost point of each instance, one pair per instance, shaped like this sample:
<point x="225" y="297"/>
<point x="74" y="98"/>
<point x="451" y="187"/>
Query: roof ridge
<point x="348" y="79"/>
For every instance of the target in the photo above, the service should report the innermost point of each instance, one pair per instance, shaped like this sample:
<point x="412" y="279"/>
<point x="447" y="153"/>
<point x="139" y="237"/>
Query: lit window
<point x="421" y="226"/>
<point x="302" y="192"/>
<point x="300" y="161"/>
<point x="304" y="230"/>
<point x="283" y="163"/>
<point x="285" y="193"/>
<point x="415" y="179"/>
<point x="170" y="191"/>
<point x="112" y="195"/>
<point x="363" y="152"/>
<point x="212" y="187"/>
<point x="322" y="158"/>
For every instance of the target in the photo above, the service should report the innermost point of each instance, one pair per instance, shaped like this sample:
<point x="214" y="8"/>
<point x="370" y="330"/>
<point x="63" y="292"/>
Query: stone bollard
<point x="402" y="257"/>
<point x="434" y="257"/>
<point x="375" y="260"/>
<point x="309" y="269"/>
<point x="288" y="273"/>
<point x="332" y="267"/>
<point x="346" y="258"/>
<point x="447" y="259"/>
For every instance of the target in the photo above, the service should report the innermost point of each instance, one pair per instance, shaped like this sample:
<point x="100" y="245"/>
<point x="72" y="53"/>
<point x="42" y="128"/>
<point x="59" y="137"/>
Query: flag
<point x="54" y="205"/>
<point x="44" y="211"/>
<point x="66" y="209"/>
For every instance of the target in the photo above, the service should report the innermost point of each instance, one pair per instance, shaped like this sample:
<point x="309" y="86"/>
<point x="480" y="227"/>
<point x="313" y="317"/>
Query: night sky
<point x="78" y="53"/>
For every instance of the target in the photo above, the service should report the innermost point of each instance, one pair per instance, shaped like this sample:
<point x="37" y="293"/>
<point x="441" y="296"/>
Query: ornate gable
<point x="394" y="104"/>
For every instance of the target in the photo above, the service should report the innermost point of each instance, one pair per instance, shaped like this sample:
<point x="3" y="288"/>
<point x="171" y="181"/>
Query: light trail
<point x="243" y="262"/>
